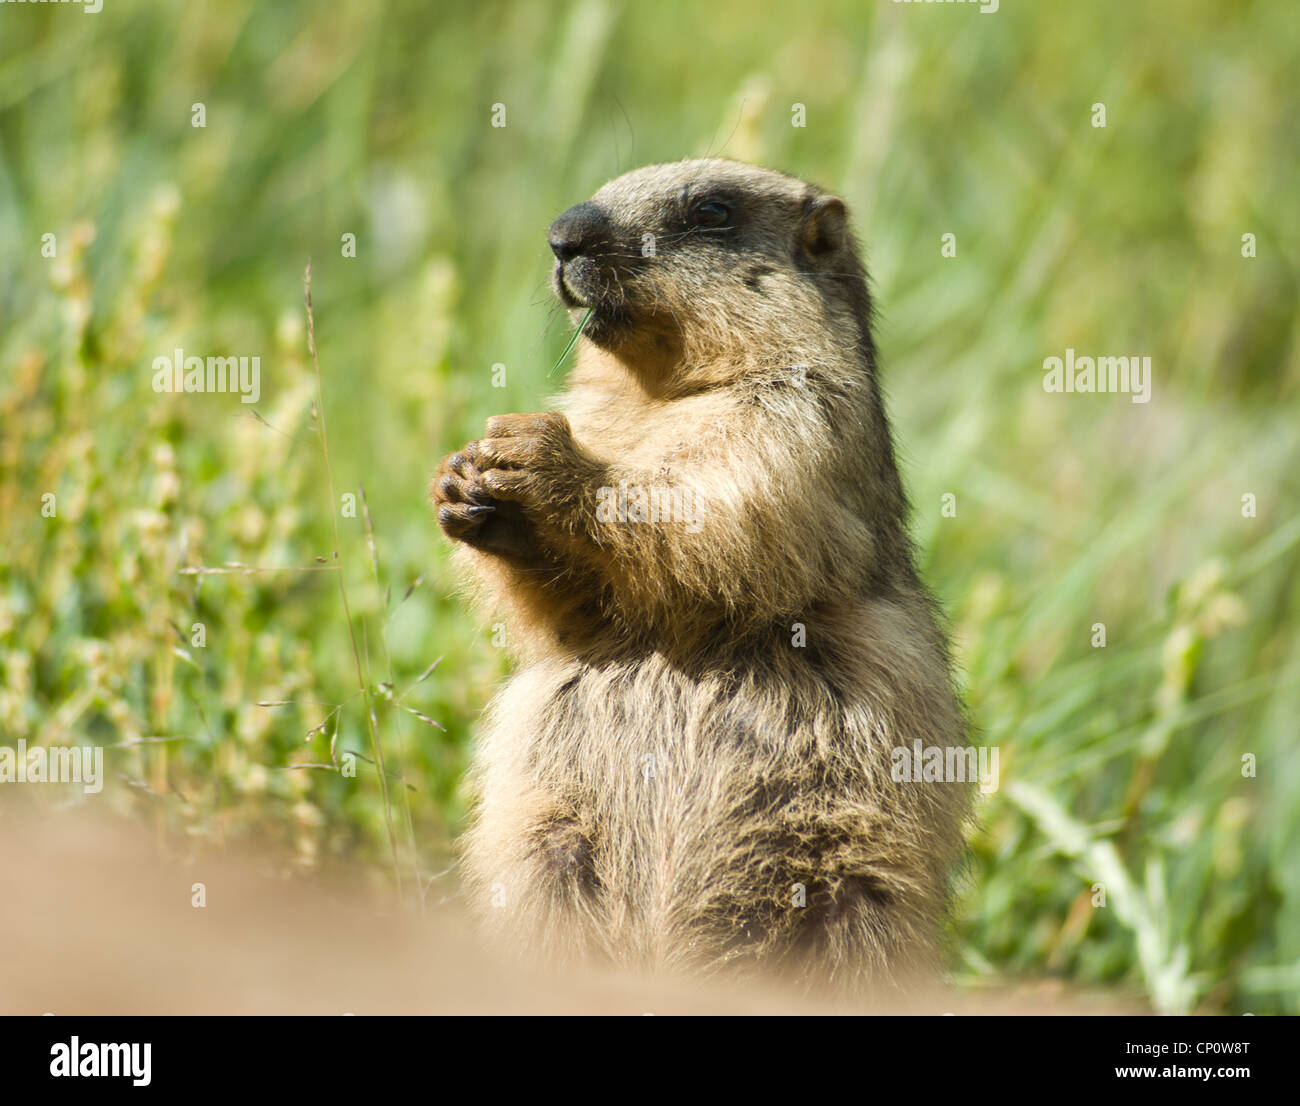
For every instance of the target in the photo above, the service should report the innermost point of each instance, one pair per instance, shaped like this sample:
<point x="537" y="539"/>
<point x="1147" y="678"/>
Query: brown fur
<point x="666" y="765"/>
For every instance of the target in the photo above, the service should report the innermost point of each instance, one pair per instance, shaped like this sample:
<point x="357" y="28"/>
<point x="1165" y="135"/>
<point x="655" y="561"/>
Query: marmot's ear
<point x="825" y="225"/>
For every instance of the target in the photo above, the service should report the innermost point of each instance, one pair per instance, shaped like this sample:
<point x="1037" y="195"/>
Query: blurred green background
<point x="1122" y="766"/>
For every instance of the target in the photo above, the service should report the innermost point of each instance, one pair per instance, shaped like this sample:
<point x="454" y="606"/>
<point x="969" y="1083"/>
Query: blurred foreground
<point x="106" y="926"/>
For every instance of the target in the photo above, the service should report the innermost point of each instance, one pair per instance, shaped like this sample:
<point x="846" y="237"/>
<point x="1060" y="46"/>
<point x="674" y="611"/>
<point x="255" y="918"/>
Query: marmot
<point x="709" y="585"/>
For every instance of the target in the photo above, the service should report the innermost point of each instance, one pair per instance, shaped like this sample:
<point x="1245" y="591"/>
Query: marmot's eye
<point x="711" y="214"/>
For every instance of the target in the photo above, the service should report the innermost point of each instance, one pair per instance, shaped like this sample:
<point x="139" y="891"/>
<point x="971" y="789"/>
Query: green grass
<point x="1121" y="765"/>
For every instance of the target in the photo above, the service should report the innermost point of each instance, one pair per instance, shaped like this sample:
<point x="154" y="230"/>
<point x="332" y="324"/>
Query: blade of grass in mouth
<point x="572" y="341"/>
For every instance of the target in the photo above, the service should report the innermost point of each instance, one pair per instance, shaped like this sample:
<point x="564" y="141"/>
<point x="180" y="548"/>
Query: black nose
<point x="577" y="231"/>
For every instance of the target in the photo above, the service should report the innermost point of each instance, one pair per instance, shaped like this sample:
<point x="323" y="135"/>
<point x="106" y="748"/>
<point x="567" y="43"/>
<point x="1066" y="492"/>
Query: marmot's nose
<point x="577" y="230"/>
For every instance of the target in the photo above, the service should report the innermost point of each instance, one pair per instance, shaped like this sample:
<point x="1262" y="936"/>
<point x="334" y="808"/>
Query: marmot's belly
<point x="679" y="813"/>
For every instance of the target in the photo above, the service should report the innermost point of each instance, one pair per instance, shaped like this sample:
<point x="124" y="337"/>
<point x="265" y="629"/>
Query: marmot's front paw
<point x="468" y="512"/>
<point x="530" y="460"/>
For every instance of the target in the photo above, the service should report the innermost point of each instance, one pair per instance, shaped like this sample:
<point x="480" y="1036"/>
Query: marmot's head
<point x="709" y="260"/>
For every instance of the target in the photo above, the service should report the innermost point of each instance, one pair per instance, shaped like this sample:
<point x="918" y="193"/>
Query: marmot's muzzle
<point x="582" y="229"/>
